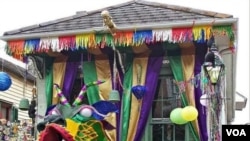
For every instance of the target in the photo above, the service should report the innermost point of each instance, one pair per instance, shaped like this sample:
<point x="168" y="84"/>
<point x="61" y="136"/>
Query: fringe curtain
<point x="199" y="34"/>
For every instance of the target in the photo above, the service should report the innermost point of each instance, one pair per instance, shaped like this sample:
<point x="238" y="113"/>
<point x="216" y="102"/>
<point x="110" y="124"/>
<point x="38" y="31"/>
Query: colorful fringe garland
<point x="83" y="41"/>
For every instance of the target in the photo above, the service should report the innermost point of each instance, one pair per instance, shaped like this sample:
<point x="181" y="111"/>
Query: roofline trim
<point x="122" y="28"/>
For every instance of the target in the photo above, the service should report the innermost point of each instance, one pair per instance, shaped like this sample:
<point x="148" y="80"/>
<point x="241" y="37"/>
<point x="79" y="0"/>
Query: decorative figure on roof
<point x="108" y="22"/>
<point x="76" y="121"/>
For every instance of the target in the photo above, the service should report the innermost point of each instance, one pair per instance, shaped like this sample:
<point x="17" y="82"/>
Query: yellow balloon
<point x="189" y="113"/>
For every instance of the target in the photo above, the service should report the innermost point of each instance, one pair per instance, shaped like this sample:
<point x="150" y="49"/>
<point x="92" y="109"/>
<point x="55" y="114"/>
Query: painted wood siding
<point x="15" y="93"/>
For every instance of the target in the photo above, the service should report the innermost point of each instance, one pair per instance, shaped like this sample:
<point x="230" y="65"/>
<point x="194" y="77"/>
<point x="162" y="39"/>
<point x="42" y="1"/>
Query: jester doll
<point x="76" y="122"/>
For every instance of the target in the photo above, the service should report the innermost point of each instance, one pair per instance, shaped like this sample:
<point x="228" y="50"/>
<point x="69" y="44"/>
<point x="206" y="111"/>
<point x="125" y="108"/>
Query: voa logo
<point x="236" y="132"/>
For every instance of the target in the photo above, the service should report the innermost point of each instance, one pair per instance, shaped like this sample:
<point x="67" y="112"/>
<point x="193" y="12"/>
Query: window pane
<point x="168" y="132"/>
<point x="164" y="102"/>
<point x="179" y="131"/>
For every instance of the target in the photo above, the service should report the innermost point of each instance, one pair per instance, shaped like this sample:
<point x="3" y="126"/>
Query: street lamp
<point x="213" y="65"/>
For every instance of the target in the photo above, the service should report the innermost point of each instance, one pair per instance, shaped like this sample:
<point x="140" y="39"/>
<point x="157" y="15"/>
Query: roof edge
<point x="9" y="62"/>
<point x="123" y="28"/>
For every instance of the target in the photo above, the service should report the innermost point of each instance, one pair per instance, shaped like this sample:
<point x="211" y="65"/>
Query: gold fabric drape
<point x="141" y="60"/>
<point x="188" y="62"/>
<point x="59" y="67"/>
<point x="104" y="73"/>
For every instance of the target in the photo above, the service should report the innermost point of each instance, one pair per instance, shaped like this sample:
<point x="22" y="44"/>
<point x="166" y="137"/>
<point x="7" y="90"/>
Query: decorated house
<point x="141" y="70"/>
<point x="17" y="90"/>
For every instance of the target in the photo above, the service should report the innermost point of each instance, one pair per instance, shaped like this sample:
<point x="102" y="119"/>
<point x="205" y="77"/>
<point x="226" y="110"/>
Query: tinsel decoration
<point x="18" y="48"/>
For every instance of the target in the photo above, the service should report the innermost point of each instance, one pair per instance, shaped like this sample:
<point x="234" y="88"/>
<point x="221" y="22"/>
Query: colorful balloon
<point x="175" y="116"/>
<point x="139" y="91"/>
<point x="189" y="113"/>
<point x="5" y="81"/>
<point x="204" y="100"/>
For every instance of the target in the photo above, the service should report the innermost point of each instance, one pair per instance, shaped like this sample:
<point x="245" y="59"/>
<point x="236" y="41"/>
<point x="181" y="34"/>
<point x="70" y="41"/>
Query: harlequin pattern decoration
<point x="83" y="122"/>
<point x="90" y="130"/>
<point x="5" y="81"/>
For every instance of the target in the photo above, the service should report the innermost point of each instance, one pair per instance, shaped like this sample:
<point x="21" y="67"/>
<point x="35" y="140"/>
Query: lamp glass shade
<point x="213" y="73"/>
<point x="213" y="67"/>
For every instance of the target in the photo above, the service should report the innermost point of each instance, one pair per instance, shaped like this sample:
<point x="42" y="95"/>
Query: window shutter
<point x="14" y="114"/>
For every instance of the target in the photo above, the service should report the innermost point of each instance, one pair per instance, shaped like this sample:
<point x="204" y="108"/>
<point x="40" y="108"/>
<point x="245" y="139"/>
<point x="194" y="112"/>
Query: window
<point x="164" y="102"/>
<point x="159" y="126"/>
<point x="5" y="110"/>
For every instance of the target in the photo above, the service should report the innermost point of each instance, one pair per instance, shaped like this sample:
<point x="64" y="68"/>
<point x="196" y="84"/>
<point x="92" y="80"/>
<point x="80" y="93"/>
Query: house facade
<point x="11" y="97"/>
<point x="151" y="54"/>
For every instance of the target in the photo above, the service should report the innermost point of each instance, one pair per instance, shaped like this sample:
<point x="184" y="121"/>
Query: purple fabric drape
<point x="154" y="67"/>
<point x="70" y="76"/>
<point x="200" y="53"/>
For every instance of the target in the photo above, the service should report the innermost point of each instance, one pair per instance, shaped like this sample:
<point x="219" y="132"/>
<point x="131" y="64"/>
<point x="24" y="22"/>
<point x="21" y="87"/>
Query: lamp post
<point x="214" y="67"/>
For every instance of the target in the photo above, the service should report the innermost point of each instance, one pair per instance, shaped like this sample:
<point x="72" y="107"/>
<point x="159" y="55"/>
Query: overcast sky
<point x="15" y="14"/>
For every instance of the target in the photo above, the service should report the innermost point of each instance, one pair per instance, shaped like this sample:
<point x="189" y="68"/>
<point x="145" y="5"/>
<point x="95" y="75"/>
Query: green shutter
<point x="14" y="114"/>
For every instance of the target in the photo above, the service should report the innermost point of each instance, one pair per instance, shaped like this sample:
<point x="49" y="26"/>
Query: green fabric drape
<point x="90" y="75"/>
<point x="126" y="100"/>
<point x="49" y="79"/>
<point x="174" y="56"/>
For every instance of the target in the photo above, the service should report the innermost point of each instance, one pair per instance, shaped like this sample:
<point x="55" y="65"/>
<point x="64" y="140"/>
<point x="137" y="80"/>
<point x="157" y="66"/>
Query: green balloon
<point x="175" y="116"/>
